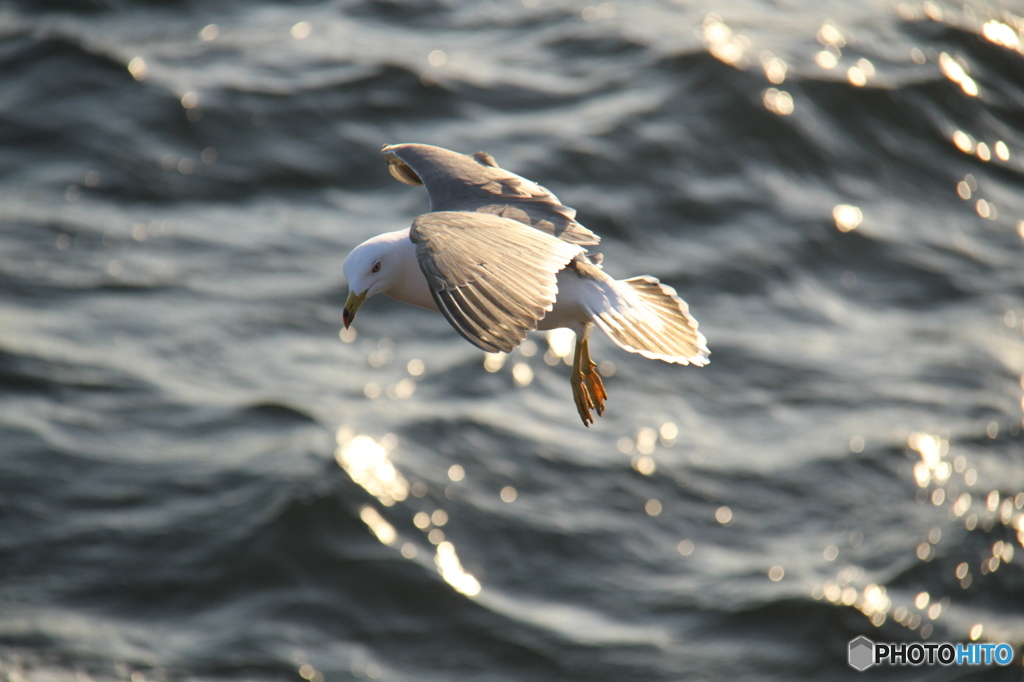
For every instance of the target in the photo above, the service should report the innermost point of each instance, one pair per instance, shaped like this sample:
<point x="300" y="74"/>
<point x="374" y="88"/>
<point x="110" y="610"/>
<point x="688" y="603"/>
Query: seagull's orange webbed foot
<point x="587" y="387"/>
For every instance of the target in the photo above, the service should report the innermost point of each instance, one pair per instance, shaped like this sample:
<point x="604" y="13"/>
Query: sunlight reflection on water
<point x="367" y="462"/>
<point x="940" y="482"/>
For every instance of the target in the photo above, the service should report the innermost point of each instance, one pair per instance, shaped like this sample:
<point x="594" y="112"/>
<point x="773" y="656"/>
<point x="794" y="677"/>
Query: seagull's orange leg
<point x="587" y="387"/>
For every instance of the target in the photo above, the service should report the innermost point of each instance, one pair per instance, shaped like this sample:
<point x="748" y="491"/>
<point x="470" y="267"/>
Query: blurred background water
<point x="200" y="480"/>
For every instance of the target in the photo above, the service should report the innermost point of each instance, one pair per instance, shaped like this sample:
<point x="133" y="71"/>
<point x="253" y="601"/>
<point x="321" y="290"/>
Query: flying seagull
<point x="500" y="256"/>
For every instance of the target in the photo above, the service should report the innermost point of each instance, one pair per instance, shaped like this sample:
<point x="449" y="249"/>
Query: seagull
<point x="500" y="256"/>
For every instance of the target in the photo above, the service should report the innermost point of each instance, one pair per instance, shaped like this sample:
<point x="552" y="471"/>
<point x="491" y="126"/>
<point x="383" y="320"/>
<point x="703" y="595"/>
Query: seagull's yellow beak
<point x="352" y="304"/>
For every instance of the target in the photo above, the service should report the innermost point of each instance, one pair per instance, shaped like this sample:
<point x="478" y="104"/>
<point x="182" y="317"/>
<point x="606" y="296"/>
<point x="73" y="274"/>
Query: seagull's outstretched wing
<point x="460" y="182"/>
<point x="492" y="277"/>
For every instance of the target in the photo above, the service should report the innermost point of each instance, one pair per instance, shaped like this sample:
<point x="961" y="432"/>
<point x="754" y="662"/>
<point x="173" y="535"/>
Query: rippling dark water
<point x="200" y="480"/>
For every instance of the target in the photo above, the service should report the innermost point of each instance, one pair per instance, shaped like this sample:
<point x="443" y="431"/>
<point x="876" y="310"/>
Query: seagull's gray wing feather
<point x="493" y="278"/>
<point x="475" y="183"/>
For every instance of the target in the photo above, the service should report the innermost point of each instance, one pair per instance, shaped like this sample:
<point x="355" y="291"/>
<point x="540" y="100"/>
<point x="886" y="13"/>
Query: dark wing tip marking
<point x="401" y="171"/>
<point x="475" y="182"/>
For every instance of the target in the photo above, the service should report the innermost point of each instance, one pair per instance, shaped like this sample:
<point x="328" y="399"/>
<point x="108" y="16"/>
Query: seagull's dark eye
<point x="376" y="267"/>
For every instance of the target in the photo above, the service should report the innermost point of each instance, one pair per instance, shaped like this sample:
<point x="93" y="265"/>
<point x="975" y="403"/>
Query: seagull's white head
<point x="371" y="268"/>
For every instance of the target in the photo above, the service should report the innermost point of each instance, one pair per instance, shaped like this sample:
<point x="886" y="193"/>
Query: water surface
<point x="201" y="480"/>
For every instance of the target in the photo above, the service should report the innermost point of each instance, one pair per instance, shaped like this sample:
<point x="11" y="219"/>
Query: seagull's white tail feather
<point x="644" y="316"/>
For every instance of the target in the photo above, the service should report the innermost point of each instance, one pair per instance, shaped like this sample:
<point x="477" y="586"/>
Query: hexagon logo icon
<point x="862" y="653"/>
